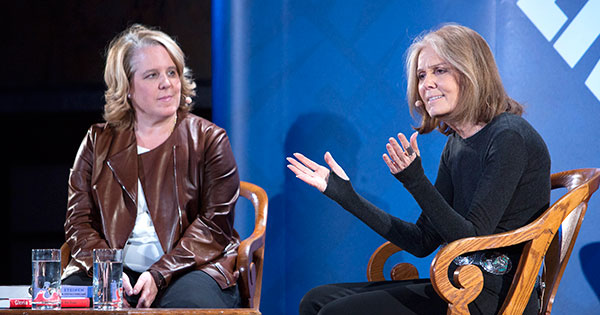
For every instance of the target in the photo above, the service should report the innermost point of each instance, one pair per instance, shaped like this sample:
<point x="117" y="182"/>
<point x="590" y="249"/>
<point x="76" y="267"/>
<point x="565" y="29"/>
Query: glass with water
<point x="108" y="283"/>
<point x="45" y="279"/>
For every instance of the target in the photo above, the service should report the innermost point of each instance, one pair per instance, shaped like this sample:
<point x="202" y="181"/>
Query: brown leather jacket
<point x="191" y="186"/>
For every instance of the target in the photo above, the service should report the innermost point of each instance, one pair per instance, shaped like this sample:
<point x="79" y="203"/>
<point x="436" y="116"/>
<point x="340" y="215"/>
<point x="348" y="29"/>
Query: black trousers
<point x="195" y="289"/>
<point x="395" y="297"/>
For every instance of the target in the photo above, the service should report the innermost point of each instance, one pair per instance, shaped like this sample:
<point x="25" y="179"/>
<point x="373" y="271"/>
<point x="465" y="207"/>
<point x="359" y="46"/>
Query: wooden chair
<point x="543" y="244"/>
<point x="250" y="258"/>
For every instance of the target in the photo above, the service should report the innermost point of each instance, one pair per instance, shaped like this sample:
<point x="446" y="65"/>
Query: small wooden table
<point x="21" y="291"/>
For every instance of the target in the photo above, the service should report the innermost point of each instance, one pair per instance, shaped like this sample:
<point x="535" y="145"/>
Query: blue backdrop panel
<point x="316" y="76"/>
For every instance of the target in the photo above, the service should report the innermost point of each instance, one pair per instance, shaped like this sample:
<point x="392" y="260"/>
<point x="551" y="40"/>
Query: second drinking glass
<point x="108" y="283"/>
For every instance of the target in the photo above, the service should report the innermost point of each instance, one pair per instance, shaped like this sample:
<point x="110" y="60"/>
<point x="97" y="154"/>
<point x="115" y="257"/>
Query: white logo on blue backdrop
<point x="575" y="40"/>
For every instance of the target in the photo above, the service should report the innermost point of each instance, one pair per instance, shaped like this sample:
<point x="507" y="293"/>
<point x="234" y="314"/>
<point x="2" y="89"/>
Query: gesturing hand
<point x="400" y="158"/>
<point x="312" y="173"/>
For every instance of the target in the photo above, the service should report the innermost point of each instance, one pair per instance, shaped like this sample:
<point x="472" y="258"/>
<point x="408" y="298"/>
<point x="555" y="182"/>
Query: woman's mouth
<point x="434" y="98"/>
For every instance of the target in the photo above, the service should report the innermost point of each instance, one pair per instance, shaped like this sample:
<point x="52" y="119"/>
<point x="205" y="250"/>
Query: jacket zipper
<point x="121" y="183"/>
<point x="177" y="190"/>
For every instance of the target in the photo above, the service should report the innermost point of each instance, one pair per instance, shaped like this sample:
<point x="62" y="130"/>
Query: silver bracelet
<point x="495" y="263"/>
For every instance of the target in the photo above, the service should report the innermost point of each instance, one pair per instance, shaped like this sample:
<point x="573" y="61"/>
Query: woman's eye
<point x="421" y="76"/>
<point x="150" y="76"/>
<point x="441" y="70"/>
<point x="172" y="73"/>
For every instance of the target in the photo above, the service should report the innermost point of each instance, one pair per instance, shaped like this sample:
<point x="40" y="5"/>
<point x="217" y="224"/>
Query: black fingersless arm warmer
<point x="419" y="239"/>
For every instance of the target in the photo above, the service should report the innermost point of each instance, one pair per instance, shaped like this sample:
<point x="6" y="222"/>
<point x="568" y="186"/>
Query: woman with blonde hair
<point x="494" y="176"/>
<point x="156" y="181"/>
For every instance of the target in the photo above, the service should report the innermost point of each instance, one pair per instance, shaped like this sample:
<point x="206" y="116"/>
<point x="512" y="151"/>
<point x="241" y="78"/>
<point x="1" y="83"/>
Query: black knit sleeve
<point x="504" y="165"/>
<point x="419" y="239"/>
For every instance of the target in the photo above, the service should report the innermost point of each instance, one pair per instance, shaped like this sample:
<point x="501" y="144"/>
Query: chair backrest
<point x="568" y="213"/>
<point x="537" y="237"/>
<point x="250" y="252"/>
<point x="562" y="244"/>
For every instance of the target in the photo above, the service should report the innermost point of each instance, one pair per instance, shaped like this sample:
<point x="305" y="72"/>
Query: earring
<point x="128" y="95"/>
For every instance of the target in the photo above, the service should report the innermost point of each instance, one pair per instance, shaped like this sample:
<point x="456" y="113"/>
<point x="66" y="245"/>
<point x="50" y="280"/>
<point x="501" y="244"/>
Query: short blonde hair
<point x="118" y="111"/>
<point x="482" y="96"/>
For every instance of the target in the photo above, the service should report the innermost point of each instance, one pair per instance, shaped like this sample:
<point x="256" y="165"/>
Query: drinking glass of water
<point x="45" y="279"/>
<point x="108" y="283"/>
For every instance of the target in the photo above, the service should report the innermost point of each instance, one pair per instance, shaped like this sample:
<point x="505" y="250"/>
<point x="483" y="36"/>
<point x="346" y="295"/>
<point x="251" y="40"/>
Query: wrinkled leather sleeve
<point x="210" y="235"/>
<point x="82" y="224"/>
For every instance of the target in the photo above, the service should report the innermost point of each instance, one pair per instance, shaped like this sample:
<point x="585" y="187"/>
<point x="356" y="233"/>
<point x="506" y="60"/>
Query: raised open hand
<point x="399" y="158"/>
<point x="312" y="173"/>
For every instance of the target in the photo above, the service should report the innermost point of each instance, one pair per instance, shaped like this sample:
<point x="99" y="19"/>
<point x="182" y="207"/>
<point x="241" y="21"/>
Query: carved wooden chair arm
<point x="536" y="236"/>
<point x="401" y="271"/>
<point x="468" y="277"/>
<point x="248" y="253"/>
<point x="251" y="249"/>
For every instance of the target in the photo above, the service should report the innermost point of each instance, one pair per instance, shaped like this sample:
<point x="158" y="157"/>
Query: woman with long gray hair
<point x="494" y="176"/>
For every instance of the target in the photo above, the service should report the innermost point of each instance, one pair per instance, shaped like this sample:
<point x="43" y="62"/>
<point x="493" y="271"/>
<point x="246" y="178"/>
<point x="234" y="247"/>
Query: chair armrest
<point x="536" y="236"/>
<point x="470" y="278"/>
<point x="250" y="250"/>
<point x="402" y="271"/>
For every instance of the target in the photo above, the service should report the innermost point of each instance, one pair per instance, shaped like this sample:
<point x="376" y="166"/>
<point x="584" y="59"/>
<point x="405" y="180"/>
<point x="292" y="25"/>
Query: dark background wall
<point x="51" y="91"/>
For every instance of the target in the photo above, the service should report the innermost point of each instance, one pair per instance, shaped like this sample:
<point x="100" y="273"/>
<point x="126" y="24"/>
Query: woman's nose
<point x="165" y="82"/>
<point x="429" y="81"/>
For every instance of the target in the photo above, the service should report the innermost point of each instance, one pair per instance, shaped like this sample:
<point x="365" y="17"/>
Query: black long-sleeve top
<point x="494" y="181"/>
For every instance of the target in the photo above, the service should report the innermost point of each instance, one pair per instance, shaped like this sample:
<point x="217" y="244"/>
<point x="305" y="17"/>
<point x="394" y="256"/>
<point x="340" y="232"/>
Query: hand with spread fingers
<point x="312" y="173"/>
<point x="399" y="156"/>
